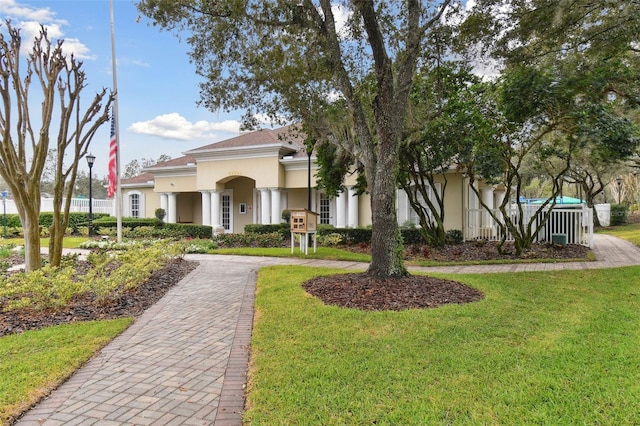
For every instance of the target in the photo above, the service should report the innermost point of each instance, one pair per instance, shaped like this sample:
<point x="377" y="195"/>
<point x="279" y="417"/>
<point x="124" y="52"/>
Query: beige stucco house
<point x="252" y="178"/>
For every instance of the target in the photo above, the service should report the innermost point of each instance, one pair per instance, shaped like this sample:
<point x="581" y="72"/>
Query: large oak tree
<point x="294" y="57"/>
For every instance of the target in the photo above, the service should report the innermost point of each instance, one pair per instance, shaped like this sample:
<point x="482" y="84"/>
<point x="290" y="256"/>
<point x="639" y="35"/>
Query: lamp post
<point x="619" y="182"/>
<point x="4" y="212"/>
<point x="90" y="160"/>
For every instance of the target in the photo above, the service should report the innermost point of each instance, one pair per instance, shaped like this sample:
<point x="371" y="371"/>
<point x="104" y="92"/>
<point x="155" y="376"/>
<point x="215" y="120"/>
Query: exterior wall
<point x="189" y="207"/>
<point x="175" y="183"/>
<point x="264" y="171"/>
<point x="297" y="198"/>
<point x="299" y="178"/>
<point x="453" y="202"/>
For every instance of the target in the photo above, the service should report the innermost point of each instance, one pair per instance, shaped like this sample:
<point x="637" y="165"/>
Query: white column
<point x="353" y="208"/>
<point x="498" y="198"/>
<point x="164" y="202"/>
<point x="341" y="210"/>
<point x="265" y="206"/>
<point x="276" y="213"/>
<point x="171" y="207"/>
<point x="206" y="207"/>
<point x="487" y="199"/>
<point x="215" y="209"/>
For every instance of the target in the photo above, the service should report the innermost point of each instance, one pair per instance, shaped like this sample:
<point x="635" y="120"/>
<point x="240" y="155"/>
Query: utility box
<point x="303" y="221"/>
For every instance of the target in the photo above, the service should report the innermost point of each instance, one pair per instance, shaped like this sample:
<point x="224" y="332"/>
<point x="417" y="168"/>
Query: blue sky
<point x="157" y="85"/>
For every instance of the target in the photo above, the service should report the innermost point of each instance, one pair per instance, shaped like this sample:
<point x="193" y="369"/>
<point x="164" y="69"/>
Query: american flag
<point x="113" y="154"/>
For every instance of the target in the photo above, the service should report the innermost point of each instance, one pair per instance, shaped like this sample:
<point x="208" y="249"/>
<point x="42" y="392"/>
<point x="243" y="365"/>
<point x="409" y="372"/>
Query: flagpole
<point x="118" y="198"/>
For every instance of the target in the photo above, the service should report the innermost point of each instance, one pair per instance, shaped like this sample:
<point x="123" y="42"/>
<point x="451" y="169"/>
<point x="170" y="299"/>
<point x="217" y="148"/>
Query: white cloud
<point x="30" y="21"/>
<point x="174" y="126"/>
<point x="12" y="10"/>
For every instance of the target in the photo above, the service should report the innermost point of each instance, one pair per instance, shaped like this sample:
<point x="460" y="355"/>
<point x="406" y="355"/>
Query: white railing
<point x="77" y="205"/>
<point x="572" y="224"/>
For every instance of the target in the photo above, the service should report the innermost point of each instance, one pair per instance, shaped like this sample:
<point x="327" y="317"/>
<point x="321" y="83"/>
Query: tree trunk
<point x="386" y="241"/>
<point x="31" y="230"/>
<point x="56" y="233"/>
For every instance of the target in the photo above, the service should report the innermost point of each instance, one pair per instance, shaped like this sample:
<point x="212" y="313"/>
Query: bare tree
<point x="23" y="153"/>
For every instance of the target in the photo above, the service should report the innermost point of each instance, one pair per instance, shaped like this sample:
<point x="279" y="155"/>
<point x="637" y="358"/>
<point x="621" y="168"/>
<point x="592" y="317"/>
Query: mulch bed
<point x="370" y="293"/>
<point x="131" y="303"/>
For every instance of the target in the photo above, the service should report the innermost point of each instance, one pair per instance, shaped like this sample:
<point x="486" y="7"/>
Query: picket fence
<point x="569" y="225"/>
<point x="77" y="205"/>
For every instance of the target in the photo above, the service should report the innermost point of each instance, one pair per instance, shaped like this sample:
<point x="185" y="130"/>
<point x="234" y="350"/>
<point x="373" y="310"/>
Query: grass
<point x="555" y="347"/>
<point x="35" y="362"/>
<point x="629" y="232"/>
<point x="67" y="242"/>
<point x="329" y="253"/>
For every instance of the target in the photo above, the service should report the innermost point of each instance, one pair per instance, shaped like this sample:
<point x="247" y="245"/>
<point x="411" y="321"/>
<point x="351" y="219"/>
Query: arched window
<point x="134" y="205"/>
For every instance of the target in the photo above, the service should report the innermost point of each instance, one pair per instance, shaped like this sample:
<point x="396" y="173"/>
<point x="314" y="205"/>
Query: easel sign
<point x="303" y="223"/>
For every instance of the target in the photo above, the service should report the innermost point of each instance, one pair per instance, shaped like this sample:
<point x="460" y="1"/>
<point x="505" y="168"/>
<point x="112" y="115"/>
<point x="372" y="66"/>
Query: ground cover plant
<point x="554" y="347"/>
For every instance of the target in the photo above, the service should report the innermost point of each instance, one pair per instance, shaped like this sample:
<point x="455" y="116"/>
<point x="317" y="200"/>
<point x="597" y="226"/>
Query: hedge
<point x="46" y="219"/>
<point x="348" y="235"/>
<point x="618" y="214"/>
<point x="172" y="230"/>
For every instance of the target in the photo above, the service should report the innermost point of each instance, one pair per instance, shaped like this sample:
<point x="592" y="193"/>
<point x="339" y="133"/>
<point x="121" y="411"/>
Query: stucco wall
<point x="266" y="172"/>
<point x="175" y="183"/>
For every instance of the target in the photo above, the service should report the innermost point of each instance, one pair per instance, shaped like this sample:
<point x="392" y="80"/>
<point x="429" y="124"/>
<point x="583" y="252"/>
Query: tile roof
<point x="175" y="162"/>
<point x="140" y="179"/>
<point x="259" y="137"/>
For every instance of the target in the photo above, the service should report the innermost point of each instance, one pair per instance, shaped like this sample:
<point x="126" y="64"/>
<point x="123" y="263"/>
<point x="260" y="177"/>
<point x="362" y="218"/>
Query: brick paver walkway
<point x="184" y="361"/>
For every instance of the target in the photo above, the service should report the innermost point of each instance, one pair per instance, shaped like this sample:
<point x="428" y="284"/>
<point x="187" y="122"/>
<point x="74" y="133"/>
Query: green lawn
<point x="329" y="253"/>
<point x="35" y="362"/>
<point x="556" y="347"/>
<point x="629" y="232"/>
<point x="67" y="242"/>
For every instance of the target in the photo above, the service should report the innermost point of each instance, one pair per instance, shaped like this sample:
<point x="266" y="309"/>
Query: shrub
<point x="160" y="214"/>
<point x="329" y="239"/>
<point x="286" y="216"/>
<point x="249" y="239"/>
<point x="282" y="228"/>
<point x="454" y="237"/>
<point x="618" y="214"/>
<point x="41" y="289"/>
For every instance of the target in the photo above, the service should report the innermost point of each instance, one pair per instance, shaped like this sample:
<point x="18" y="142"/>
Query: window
<point x="325" y="209"/>
<point x="226" y="212"/>
<point x="134" y="205"/>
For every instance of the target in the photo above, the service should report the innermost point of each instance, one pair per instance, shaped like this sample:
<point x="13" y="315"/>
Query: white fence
<point x="573" y="225"/>
<point x="77" y="205"/>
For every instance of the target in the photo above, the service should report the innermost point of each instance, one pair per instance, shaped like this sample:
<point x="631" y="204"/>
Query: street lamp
<point x="619" y="182"/>
<point x="90" y="160"/>
<point x="4" y="213"/>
